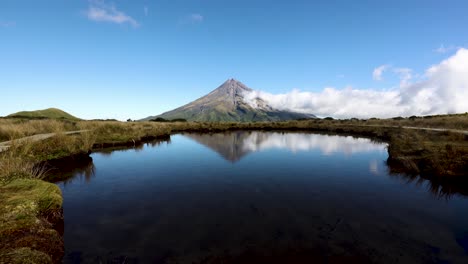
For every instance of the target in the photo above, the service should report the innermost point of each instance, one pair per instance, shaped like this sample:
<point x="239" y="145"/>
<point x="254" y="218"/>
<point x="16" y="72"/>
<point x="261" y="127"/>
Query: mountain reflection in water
<point x="298" y="197"/>
<point x="233" y="146"/>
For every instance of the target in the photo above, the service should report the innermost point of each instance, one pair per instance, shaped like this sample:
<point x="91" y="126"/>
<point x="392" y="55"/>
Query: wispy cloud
<point x="194" y="18"/>
<point x="378" y="72"/>
<point x="101" y="11"/>
<point x="442" y="89"/>
<point x="405" y="74"/>
<point x="443" y="49"/>
<point x="145" y="10"/>
<point x="7" y="24"/>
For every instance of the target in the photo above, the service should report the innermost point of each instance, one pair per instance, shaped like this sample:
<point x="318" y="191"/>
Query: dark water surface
<point x="245" y="197"/>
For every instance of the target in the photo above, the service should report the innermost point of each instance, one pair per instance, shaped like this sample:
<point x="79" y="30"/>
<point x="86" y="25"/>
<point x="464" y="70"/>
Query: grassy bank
<point x="30" y="217"/>
<point x="414" y="151"/>
<point x="30" y="209"/>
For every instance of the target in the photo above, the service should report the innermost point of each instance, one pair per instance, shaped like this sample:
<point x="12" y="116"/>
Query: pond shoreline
<point x="404" y="157"/>
<point x="406" y="151"/>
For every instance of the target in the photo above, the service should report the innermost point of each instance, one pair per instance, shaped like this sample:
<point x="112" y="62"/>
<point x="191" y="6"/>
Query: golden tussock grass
<point x="411" y="147"/>
<point x="18" y="128"/>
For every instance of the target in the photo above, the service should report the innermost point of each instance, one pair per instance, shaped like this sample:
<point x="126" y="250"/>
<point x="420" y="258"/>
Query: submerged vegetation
<point x="30" y="209"/>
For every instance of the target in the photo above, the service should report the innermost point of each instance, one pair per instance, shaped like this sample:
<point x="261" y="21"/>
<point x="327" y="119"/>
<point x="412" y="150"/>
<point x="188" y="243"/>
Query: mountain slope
<point x="226" y="103"/>
<point x="51" y="113"/>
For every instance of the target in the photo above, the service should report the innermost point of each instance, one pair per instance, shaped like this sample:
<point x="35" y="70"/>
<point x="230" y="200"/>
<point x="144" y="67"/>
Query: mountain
<point x="49" y="113"/>
<point x="227" y="103"/>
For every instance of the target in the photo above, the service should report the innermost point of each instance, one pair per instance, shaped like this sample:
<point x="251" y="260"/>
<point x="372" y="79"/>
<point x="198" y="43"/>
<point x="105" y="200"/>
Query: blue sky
<point x="131" y="59"/>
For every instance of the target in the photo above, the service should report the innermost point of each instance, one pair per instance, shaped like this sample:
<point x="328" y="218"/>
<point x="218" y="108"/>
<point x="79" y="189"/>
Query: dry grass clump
<point x="17" y="128"/>
<point x="22" y="158"/>
<point x="15" y="163"/>
<point x="454" y="121"/>
<point x="429" y="153"/>
<point x="111" y="132"/>
<point x="58" y="146"/>
<point x="16" y="167"/>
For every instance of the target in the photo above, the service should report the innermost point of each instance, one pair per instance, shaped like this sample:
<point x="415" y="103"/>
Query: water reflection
<point x="137" y="147"/>
<point x="81" y="168"/>
<point x="233" y="146"/>
<point x="84" y="173"/>
<point x="71" y="170"/>
<point x="374" y="167"/>
<point x="442" y="188"/>
<point x="176" y="203"/>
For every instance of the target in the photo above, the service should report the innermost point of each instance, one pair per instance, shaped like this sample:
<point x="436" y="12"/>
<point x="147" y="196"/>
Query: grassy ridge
<point x="49" y="113"/>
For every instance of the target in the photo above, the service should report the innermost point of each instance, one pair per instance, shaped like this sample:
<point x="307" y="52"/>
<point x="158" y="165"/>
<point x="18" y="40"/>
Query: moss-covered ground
<point x="30" y="217"/>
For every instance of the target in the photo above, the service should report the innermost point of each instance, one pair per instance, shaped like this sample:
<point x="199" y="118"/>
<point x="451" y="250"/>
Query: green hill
<point x="50" y="113"/>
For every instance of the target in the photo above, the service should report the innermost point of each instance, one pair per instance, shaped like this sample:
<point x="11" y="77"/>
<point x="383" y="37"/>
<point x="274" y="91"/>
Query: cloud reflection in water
<point x="233" y="146"/>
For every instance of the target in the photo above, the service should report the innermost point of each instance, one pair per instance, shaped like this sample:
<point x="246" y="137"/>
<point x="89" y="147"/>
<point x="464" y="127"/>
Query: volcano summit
<point x="227" y="103"/>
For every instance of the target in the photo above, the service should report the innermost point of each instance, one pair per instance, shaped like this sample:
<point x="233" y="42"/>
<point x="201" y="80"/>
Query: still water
<point x="247" y="197"/>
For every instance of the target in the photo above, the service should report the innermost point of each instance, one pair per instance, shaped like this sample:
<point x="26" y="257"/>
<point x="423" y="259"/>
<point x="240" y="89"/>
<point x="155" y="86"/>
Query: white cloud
<point x="443" y="89"/>
<point x="377" y="73"/>
<point x="145" y="10"/>
<point x="102" y="12"/>
<point x="405" y="75"/>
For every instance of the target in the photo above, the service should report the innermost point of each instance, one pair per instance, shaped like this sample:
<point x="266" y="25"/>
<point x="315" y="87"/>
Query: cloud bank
<point x="442" y="89"/>
<point x="100" y="11"/>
